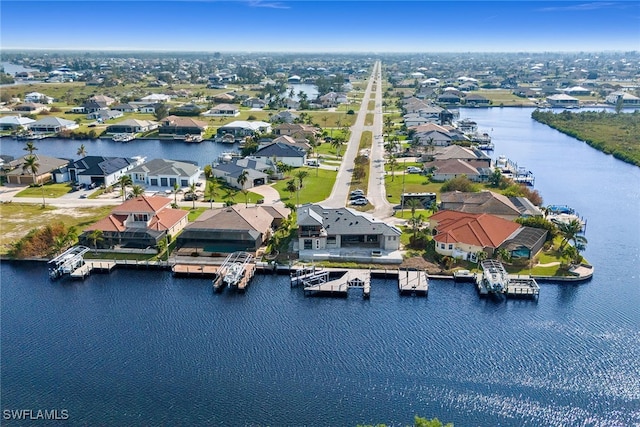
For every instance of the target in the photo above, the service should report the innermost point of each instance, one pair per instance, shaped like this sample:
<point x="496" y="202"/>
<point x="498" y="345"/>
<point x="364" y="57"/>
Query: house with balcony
<point x="138" y="223"/>
<point x="562" y="100"/>
<point x="345" y="234"/>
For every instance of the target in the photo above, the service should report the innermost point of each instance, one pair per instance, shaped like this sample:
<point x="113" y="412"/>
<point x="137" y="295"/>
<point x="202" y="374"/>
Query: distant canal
<point x="144" y="348"/>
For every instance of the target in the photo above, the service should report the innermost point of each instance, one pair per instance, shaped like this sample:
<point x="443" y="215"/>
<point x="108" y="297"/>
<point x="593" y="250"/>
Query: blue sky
<point x="321" y="26"/>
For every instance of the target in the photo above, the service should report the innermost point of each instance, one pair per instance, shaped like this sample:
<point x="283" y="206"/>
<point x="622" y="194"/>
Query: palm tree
<point x="208" y="172"/>
<point x="291" y="187"/>
<point x="30" y="147"/>
<point x="337" y="144"/>
<point x="82" y="151"/>
<point x="393" y="163"/>
<point x="137" y="190"/>
<point x="388" y="123"/>
<point x="300" y="175"/>
<point x="569" y="231"/>
<point x="211" y="191"/>
<point x="242" y="178"/>
<point x="416" y="222"/>
<point x="481" y="256"/>
<point x="124" y="180"/>
<point x="192" y="190"/>
<point x="95" y="237"/>
<point x="31" y="165"/>
<point x="230" y="195"/>
<point x="176" y="190"/>
<point x="413" y="204"/>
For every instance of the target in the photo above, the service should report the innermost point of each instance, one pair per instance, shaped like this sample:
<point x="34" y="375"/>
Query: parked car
<point x="414" y="169"/>
<point x="188" y="197"/>
<point x="359" y="202"/>
<point x="356" y="196"/>
<point x="357" y="192"/>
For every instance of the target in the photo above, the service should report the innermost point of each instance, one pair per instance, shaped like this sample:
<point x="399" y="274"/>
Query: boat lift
<point x="67" y="262"/>
<point x="240" y="259"/>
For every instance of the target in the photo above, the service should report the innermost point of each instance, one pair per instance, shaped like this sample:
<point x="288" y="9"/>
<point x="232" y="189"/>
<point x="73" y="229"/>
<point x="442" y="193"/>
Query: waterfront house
<point x="96" y="170"/>
<point x="471" y="155"/>
<point x="14" y="173"/>
<point x="165" y="173"/>
<point x="577" y="91"/>
<point x="52" y="124"/>
<point x="139" y="223"/>
<point x="223" y="110"/>
<point x="288" y="154"/>
<point x="240" y="129"/>
<point x="628" y="100"/>
<point x="231" y="229"/>
<point x="449" y="98"/>
<point x="180" y="126"/>
<point x="444" y="170"/>
<point x="463" y="235"/>
<point x="474" y="100"/>
<point x="14" y="122"/>
<point x="488" y="202"/>
<point x="563" y="100"/>
<point x="342" y="233"/>
<point x="132" y="126"/>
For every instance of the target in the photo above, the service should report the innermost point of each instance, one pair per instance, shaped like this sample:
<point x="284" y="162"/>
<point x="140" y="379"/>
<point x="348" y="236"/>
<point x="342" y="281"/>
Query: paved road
<point x="376" y="191"/>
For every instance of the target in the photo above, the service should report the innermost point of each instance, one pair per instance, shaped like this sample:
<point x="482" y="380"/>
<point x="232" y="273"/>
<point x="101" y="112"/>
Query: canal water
<point x="140" y="347"/>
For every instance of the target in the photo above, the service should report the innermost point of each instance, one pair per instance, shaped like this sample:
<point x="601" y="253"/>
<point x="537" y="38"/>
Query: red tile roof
<point x="482" y="230"/>
<point x="143" y="204"/>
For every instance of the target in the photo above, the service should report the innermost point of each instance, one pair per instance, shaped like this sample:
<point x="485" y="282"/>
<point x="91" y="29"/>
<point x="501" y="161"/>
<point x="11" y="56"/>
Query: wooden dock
<point x="318" y="282"/>
<point x="249" y="272"/>
<point x="523" y="287"/>
<point x="413" y="282"/>
<point x="89" y="266"/>
<point x="186" y="270"/>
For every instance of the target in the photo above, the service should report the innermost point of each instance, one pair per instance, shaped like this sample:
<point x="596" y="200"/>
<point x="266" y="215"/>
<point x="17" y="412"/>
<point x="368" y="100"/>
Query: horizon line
<point x="150" y="50"/>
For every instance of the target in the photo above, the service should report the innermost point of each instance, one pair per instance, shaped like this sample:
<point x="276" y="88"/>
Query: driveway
<point x="271" y="196"/>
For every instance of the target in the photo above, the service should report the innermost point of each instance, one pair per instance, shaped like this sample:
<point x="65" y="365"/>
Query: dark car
<point x="190" y="196"/>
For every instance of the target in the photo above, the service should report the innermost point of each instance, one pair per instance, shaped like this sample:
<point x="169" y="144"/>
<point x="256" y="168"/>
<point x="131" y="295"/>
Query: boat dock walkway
<point x="89" y="266"/>
<point x="319" y="281"/>
<point x="236" y="272"/>
<point x="495" y="280"/>
<point x="413" y="282"/>
<point x="201" y="270"/>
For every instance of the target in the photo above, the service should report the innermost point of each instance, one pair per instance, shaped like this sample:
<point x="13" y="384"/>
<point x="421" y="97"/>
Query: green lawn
<point x="194" y="213"/>
<point x="315" y="188"/>
<point x="503" y="97"/>
<point x="19" y="218"/>
<point x="368" y="119"/>
<point x="51" y="191"/>
<point x="413" y="183"/>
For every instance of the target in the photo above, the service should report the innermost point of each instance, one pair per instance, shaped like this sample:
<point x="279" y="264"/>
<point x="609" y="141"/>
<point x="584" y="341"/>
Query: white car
<point x="414" y="169"/>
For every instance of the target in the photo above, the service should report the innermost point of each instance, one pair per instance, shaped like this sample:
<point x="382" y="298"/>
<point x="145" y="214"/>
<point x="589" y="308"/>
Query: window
<point x="450" y="246"/>
<point x="441" y="245"/>
<point x="140" y="217"/>
<point x="308" y="244"/>
<point x="317" y="243"/>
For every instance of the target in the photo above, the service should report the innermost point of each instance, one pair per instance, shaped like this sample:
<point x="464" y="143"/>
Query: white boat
<point x="233" y="274"/>
<point x="123" y="137"/>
